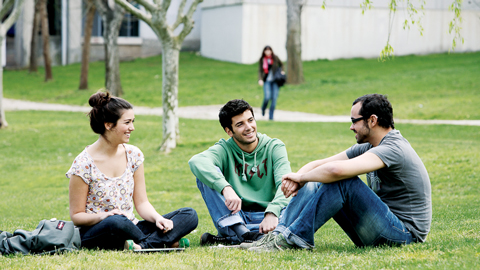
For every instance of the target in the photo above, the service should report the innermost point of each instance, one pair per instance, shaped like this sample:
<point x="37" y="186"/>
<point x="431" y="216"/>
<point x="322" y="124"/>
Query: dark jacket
<point x="276" y="64"/>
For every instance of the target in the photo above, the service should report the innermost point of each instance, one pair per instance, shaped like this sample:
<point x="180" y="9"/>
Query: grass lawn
<point x="39" y="147"/>
<point x="440" y="86"/>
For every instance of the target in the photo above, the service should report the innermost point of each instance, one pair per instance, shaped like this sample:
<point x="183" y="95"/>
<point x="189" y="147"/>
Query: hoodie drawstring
<point x="254" y="169"/>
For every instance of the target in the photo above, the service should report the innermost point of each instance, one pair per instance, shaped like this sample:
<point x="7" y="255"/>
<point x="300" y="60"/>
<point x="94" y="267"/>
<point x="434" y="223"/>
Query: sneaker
<point x="277" y="243"/>
<point x="249" y="244"/>
<point x="210" y="239"/>
<point x="250" y="237"/>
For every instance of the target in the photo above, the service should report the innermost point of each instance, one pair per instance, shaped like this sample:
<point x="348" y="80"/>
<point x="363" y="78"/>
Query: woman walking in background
<point x="268" y="64"/>
<point x="107" y="180"/>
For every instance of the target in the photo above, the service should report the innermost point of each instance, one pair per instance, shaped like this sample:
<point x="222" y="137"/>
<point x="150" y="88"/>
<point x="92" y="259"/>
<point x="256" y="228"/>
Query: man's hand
<point x="291" y="184"/>
<point x="269" y="223"/>
<point x="232" y="201"/>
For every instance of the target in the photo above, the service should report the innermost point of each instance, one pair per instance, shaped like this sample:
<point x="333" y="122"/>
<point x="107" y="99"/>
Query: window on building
<point x="130" y="25"/>
<point x="54" y="11"/>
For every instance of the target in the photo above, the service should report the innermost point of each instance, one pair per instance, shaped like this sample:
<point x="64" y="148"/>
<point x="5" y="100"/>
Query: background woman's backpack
<point x="50" y="236"/>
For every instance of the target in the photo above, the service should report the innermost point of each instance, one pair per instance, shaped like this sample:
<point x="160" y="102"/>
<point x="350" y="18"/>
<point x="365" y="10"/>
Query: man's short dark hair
<point x="231" y="109"/>
<point x="380" y="106"/>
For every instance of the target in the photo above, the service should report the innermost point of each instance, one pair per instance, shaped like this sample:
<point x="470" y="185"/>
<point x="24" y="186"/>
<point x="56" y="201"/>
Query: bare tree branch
<point x="147" y="5"/>
<point x="171" y="46"/>
<point x="101" y="7"/>
<point x="144" y="16"/>
<point x="188" y="22"/>
<point x="12" y="17"/>
<point x="165" y="5"/>
<point x="7" y="5"/>
<point x="180" y="15"/>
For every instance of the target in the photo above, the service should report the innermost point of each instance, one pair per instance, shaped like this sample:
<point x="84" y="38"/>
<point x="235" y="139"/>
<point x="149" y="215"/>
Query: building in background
<point x="237" y="30"/>
<point x="66" y="22"/>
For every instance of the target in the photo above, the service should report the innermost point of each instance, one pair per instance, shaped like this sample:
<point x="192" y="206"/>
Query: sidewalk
<point x="210" y="112"/>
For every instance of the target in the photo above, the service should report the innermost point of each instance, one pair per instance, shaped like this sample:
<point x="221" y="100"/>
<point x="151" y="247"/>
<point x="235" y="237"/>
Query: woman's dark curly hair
<point x="105" y="109"/>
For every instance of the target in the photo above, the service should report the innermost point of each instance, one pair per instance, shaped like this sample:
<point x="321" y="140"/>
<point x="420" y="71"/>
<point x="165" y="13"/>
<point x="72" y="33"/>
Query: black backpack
<point x="50" y="236"/>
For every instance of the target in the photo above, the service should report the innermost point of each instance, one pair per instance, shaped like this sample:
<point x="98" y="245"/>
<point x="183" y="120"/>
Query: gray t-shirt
<point x="403" y="185"/>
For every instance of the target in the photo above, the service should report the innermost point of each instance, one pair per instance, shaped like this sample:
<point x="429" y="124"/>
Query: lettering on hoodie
<point x="261" y="170"/>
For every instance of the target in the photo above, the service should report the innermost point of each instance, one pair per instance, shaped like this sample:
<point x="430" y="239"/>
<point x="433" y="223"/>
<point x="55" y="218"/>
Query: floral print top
<point x="107" y="193"/>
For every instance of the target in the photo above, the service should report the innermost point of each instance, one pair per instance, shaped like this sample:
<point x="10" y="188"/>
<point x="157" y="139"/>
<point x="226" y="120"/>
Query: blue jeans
<point x="222" y="217"/>
<point x="270" y="93"/>
<point x="112" y="232"/>
<point x="364" y="217"/>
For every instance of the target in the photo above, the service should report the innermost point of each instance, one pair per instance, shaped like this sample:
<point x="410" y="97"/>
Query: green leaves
<point x="386" y="53"/>
<point x="366" y="5"/>
<point x="455" y="25"/>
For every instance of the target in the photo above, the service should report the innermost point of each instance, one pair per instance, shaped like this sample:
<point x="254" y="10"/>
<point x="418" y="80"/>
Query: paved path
<point x="211" y="112"/>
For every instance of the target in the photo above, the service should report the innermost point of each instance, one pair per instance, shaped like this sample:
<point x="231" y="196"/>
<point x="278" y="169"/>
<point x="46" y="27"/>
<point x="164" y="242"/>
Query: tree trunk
<point x="46" y="41"/>
<point x="170" y="65"/>
<point x="5" y="24"/>
<point x="33" y="67"/>
<point x="112" y="20"/>
<point x="3" y="120"/>
<point x="171" y="45"/>
<point x="86" y="45"/>
<point x="294" y="42"/>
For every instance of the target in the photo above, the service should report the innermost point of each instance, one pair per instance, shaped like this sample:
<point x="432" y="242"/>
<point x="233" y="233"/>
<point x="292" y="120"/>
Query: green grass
<point x="440" y="86"/>
<point x="38" y="148"/>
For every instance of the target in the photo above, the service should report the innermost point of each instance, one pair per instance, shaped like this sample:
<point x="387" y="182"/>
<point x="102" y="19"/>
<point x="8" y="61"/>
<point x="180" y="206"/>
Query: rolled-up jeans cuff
<point x="229" y="220"/>
<point x="293" y="239"/>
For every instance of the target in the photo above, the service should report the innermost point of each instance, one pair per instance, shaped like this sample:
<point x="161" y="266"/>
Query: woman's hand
<point x="260" y="82"/>
<point x="164" y="224"/>
<point x="115" y="211"/>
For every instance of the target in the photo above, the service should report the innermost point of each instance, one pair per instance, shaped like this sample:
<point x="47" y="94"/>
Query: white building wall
<point x="222" y="33"/>
<point x="263" y="25"/>
<point x="351" y="34"/>
<point x="23" y="34"/>
<point x="74" y="50"/>
<point x="339" y="31"/>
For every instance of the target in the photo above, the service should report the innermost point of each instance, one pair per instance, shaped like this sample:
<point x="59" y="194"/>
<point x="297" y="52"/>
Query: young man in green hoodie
<point x="240" y="178"/>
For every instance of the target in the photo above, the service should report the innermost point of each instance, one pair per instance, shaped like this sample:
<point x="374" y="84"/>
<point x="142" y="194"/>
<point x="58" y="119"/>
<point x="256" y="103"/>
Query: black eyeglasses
<point x="354" y="120"/>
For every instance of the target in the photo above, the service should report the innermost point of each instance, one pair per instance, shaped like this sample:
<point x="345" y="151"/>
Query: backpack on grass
<point x="50" y="236"/>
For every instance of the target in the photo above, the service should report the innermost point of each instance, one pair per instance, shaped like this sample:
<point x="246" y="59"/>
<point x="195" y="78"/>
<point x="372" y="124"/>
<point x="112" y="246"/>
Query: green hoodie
<point x="260" y="190"/>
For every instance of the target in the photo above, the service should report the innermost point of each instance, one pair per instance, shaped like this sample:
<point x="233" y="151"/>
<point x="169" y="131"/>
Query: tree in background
<point x="33" y="67"/>
<point x="415" y="13"/>
<point x="46" y="40"/>
<point x="9" y="12"/>
<point x="294" y="41"/>
<point x="112" y="16"/>
<point x="90" y="7"/>
<point x="155" y="15"/>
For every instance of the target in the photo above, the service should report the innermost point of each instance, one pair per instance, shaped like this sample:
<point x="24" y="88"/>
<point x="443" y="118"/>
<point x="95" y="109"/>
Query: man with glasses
<point x="395" y="208"/>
